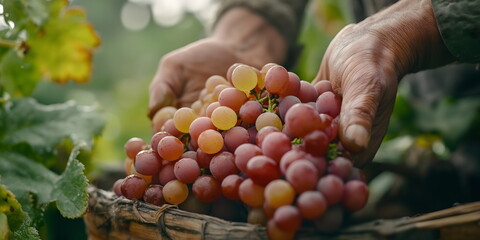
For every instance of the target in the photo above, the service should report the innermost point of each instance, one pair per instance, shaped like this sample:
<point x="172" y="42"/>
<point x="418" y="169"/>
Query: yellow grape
<point x="162" y="116"/>
<point x="268" y="119"/>
<point x="182" y="119"/>
<point x="244" y="78"/>
<point x="224" y="118"/>
<point x="213" y="81"/>
<point x="175" y="192"/>
<point x="210" y="141"/>
<point x="197" y="107"/>
<point x="279" y="192"/>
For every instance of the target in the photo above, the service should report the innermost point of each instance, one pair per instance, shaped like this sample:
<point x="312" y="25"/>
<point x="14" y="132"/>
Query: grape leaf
<point x="62" y="49"/>
<point x="44" y="126"/>
<point x="11" y="208"/>
<point x="18" y="77"/>
<point x="24" y="10"/>
<point x="68" y="190"/>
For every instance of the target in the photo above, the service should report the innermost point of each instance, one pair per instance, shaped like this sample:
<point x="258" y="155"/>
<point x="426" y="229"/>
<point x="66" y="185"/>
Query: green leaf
<point x="68" y="190"/>
<point x="11" y="208"/>
<point x="44" y="126"/>
<point x="17" y="76"/>
<point x="23" y="11"/>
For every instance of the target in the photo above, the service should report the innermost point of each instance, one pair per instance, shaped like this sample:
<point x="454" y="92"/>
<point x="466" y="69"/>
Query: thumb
<point x="163" y="91"/>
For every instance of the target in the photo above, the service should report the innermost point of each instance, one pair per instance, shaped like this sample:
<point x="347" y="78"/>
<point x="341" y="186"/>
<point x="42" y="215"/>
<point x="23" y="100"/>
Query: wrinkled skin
<point x="182" y="73"/>
<point x="365" y="61"/>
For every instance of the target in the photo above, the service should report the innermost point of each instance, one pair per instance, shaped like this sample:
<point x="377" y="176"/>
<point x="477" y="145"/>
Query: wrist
<point x="250" y="37"/>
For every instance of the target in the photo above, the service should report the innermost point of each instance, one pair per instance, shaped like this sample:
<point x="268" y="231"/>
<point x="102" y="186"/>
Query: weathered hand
<point x="365" y="61"/>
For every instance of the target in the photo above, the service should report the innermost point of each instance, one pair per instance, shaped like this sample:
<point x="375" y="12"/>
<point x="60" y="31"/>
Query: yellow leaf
<point x="62" y="48"/>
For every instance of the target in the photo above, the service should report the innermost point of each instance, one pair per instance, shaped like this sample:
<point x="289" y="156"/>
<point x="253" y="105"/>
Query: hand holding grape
<point x="365" y="61"/>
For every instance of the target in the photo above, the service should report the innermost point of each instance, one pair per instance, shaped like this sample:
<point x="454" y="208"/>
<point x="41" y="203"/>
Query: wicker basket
<point x="109" y="217"/>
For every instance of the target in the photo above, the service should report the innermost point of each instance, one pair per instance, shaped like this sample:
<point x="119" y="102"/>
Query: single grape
<point x="133" y="146"/>
<point x="210" y="141"/>
<point x="275" y="145"/>
<point x="251" y="194"/>
<point x="263" y="133"/>
<point x="175" y="192"/>
<point x="183" y="118"/>
<point x="244" y="153"/>
<point x="199" y="125"/>
<point x="133" y="187"/>
<point x="278" y="193"/>
<point x="189" y="154"/>
<point x="289" y="157"/>
<point x="288" y="218"/>
<point x="323" y="86"/>
<point x="341" y="167"/>
<point x="303" y="175"/>
<point x="244" y="78"/>
<point x="162" y="116"/>
<point x="232" y="98"/>
<point x="117" y="187"/>
<point x="276" y="80"/>
<point x="293" y="85"/>
<point x="355" y="195"/>
<point x="329" y="104"/>
<point x="307" y="92"/>
<point x="170" y="128"/>
<point x="203" y="159"/>
<point x="311" y="204"/>
<point x="156" y="139"/>
<point x="212" y="106"/>
<point x="331" y="187"/>
<point x="222" y="165"/>
<point x="268" y="119"/>
<point x="285" y="104"/>
<point x="214" y="81"/>
<point x="167" y="173"/>
<point x="250" y="111"/>
<point x="170" y="148"/>
<point x="257" y="216"/>
<point x="207" y="189"/>
<point x="147" y="162"/>
<point x="236" y="137"/>
<point x="224" y="118"/>
<point x="230" y="186"/>
<point x="154" y="195"/>
<point x="301" y="120"/>
<point x="262" y="170"/>
<point x="186" y="170"/>
<point x="316" y="143"/>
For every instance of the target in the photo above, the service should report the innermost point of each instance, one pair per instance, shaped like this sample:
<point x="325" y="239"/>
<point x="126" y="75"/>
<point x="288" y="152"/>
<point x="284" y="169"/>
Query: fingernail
<point x="358" y="135"/>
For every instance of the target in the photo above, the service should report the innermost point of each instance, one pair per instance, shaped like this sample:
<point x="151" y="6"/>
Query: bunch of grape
<point x="262" y="138"/>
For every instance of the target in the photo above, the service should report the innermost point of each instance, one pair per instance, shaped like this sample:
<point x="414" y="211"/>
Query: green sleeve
<point x="285" y="15"/>
<point x="459" y="24"/>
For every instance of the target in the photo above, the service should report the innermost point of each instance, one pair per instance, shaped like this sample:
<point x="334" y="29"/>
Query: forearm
<point x="250" y="37"/>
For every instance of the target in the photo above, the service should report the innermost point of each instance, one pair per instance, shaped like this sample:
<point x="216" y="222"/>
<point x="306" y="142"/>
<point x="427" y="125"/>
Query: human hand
<point x="240" y="36"/>
<point x="365" y="61"/>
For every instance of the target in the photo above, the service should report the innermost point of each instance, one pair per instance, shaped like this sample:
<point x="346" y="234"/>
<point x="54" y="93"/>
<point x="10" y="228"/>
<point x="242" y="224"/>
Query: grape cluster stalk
<point x="260" y="140"/>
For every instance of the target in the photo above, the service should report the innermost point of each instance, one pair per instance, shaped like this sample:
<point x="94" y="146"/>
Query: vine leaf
<point x="62" y="49"/>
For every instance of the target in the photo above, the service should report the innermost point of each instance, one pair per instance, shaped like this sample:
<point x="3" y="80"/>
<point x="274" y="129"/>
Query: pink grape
<point x="293" y="85"/>
<point x="222" y="165"/>
<point x="133" y="146"/>
<point x="307" y="92"/>
<point x="311" y="204"/>
<point x="207" y="189"/>
<point x="203" y="159"/>
<point x="230" y="186"/>
<point x="236" y="137"/>
<point x="316" y="143"/>
<point x="170" y="148"/>
<point x="355" y="195"/>
<point x="323" y="86"/>
<point x="154" y="195"/>
<point x="303" y="175"/>
<point x="232" y="98"/>
<point x="250" y="111"/>
<point x="199" y="125"/>
<point x="133" y="187"/>
<point x="286" y="103"/>
<point x="244" y="153"/>
<point x="329" y="104"/>
<point x="288" y="218"/>
<point x="276" y="80"/>
<point x="263" y="133"/>
<point x="169" y="127"/>
<point x="186" y="170"/>
<point x="331" y="187"/>
<point x="341" y="167"/>
<point x="251" y="194"/>
<point x="156" y="139"/>
<point x="147" y="162"/>
<point x="275" y="145"/>
<point x="166" y="174"/>
<point x="301" y="120"/>
<point x="289" y="157"/>
<point x="262" y="170"/>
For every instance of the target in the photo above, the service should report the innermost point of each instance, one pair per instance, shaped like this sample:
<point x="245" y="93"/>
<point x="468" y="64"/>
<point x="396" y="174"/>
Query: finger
<point x="363" y="91"/>
<point x="163" y="90"/>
